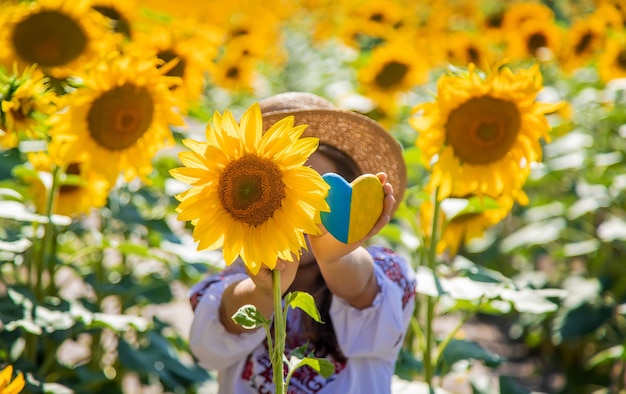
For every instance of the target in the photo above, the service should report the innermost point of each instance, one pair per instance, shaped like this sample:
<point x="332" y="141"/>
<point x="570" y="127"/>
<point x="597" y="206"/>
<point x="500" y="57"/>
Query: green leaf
<point x="249" y="317"/>
<point x="477" y="273"/>
<point x="53" y="320"/>
<point x="128" y="248"/>
<point x="304" y="301"/>
<point x="454" y="207"/>
<point x="607" y="355"/>
<point x="18" y="211"/>
<point x="10" y="194"/>
<point x="27" y="325"/>
<point x="532" y="301"/>
<point x="582" y="320"/>
<point x="119" y="323"/>
<point x="407" y="366"/>
<point x="581" y="248"/>
<point x="509" y="386"/>
<point x="537" y="233"/>
<point x="458" y="350"/>
<point x="321" y="365"/>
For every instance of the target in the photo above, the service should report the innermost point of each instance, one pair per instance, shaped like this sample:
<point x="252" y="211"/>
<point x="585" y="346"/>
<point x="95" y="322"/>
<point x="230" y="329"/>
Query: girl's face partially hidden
<point x="322" y="165"/>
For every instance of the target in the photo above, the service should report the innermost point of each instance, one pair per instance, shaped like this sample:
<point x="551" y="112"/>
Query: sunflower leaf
<point x="454" y="207"/>
<point x="249" y="317"/>
<point x="320" y="365"/>
<point x="304" y="301"/>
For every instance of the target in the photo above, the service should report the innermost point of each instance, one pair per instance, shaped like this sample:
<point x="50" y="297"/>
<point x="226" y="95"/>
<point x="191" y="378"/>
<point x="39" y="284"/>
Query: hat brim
<point x="372" y="147"/>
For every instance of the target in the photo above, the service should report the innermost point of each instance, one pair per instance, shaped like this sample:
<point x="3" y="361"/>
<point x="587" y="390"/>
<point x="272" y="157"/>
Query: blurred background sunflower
<point x="59" y="36"/>
<point x="482" y="133"/>
<point x="120" y="117"/>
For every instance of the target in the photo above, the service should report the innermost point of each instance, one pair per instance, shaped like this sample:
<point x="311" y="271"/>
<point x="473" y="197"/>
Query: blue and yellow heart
<point x="354" y="207"/>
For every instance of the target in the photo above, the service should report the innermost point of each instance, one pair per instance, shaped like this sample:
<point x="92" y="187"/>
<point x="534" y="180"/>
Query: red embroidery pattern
<point x="395" y="268"/>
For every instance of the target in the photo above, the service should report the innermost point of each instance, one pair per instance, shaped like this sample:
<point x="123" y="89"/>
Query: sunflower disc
<point x="354" y="207"/>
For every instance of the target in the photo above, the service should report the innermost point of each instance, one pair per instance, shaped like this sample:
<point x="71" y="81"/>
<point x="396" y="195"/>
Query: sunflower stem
<point x="278" y="352"/>
<point x="429" y="365"/>
<point x="41" y="263"/>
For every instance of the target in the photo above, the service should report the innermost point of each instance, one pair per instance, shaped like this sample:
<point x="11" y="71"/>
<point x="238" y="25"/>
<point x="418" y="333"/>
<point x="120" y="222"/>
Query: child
<point x="365" y="295"/>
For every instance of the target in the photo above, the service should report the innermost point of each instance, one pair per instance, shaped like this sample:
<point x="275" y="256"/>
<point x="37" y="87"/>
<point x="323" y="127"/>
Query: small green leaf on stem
<point x="321" y="365"/>
<point x="304" y="301"/>
<point x="249" y="317"/>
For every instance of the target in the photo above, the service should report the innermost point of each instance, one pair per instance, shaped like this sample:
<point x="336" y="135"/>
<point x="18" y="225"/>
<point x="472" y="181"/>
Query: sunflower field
<point x="512" y="119"/>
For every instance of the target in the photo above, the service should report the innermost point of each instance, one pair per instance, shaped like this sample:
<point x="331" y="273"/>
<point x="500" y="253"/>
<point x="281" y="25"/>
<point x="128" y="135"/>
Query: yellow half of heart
<point x="365" y="207"/>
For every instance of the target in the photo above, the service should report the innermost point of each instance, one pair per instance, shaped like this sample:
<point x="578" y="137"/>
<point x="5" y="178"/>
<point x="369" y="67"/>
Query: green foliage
<point x="75" y="311"/>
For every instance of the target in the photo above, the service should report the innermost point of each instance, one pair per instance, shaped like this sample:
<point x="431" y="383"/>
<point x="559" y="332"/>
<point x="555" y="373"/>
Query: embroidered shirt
<point x="370" y="338"/>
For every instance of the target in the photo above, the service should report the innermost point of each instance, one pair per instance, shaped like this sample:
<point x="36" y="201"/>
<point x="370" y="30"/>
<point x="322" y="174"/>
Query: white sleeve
<point x="378" y="330"/>
<point x="213" y="346"/>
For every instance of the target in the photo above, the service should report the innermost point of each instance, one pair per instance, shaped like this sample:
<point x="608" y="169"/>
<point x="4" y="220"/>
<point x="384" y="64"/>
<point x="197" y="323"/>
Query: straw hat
<point x="372" y="147"/>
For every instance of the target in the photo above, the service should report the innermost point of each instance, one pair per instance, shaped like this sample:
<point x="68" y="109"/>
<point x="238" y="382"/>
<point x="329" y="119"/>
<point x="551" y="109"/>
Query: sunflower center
<point x="120" y="24"/>
<point x="377" y="17"/>
<point x="120" y="116"/>
<point x="49" y="38"/>
<point x="391" y="75"/>
<point x="251" y="189"/>
<point x="621" y="59"/>
<point x="535" y="42"/>
<point x="473" y="55"/>
<point x="483" y="129"/>
<point x="584" y="43"/>
<point x="179" y="69"/>
<point x="72" y="169"/>
<point x="232" y="72"/>
<point x="23" y="110"/>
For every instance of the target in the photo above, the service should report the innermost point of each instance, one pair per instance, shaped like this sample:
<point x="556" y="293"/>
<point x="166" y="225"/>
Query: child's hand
<point x="263" y="280"/>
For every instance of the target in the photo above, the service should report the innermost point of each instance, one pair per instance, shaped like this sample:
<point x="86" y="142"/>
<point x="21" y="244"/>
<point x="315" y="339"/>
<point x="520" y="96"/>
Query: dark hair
<point x="322" y="337"/>
<point x="346" y="167"/>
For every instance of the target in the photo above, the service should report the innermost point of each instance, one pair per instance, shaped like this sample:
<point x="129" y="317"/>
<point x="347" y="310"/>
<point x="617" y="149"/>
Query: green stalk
<point x="429" y="365"/>
<point x="277" y="353"/>
<point x="39" y="265"/>
<point x="43" y="259"/>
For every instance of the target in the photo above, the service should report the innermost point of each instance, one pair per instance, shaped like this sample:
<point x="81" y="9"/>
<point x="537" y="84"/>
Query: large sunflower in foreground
<point x="59" y="36"/>
<point x="120" y="118"/>
<point x="483" y="132"/>
<point x="251" y="193"/>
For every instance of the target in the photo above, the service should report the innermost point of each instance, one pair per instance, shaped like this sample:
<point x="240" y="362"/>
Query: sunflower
<point x="483" y="133"/>
<point x="178" y="42"/>
<point x="78" y="192"/>
<point x="468" y="224"/>
<point x="121" y="117"/>
<point x="26" y="104"/>
<point x="462" y="48"/>
<point x="122" y="14"/>
<point x="586" y="39"/>
<point x="11" y="387"/>
<point x="59" y="36"/>
<point x="234" y="71"/>
<point x="612" y="61"/>
<point x="535" y="38"/>
<point x="393" y="68"/>
<point x="518" y="14"/>
<point x="251" y="193"/>
<point x="374" y="20"/>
